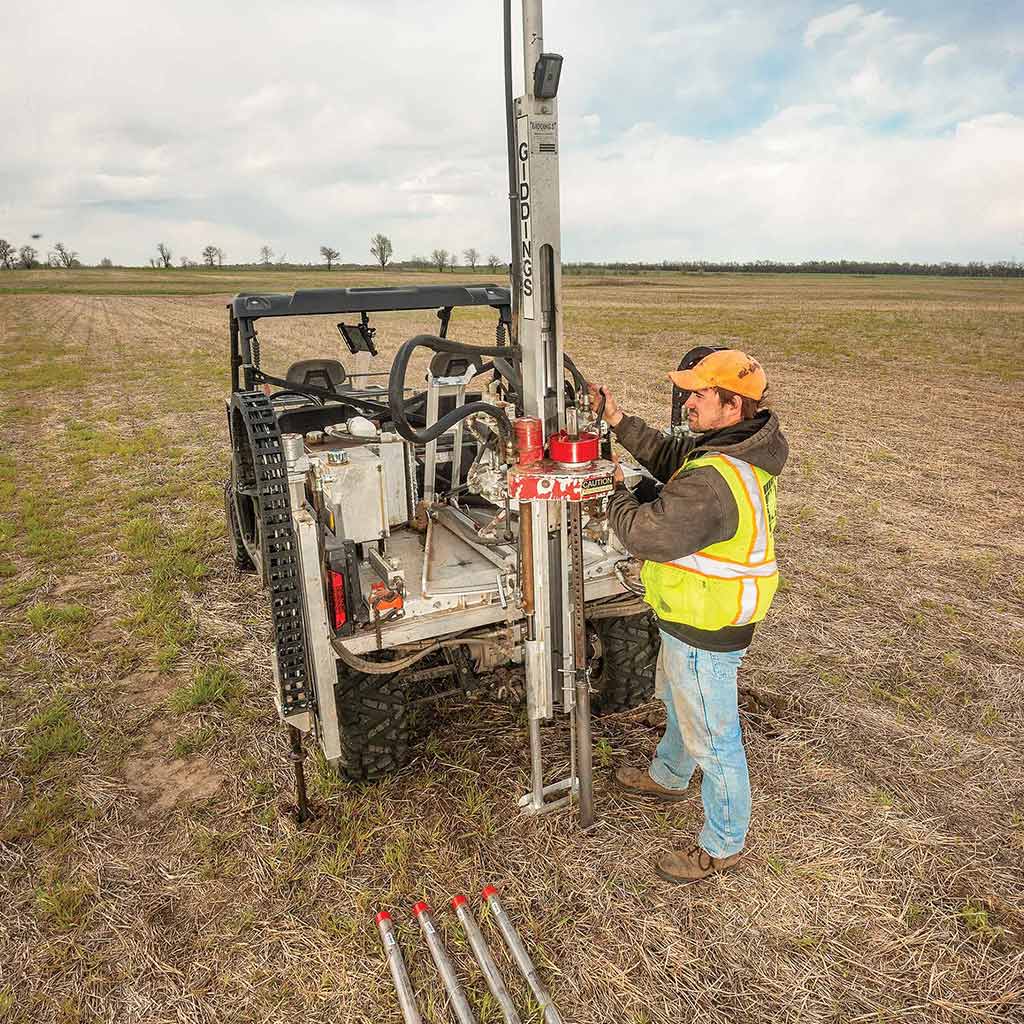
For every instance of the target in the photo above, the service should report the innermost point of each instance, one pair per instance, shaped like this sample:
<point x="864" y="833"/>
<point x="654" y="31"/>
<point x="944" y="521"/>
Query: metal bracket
<point x="438" y="388"/>
<point x="387" y="569"/>
<point x="529" y="805"/>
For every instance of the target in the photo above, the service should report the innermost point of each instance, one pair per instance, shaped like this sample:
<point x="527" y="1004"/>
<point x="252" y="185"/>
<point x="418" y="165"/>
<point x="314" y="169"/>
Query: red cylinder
<point x="529" y="439"/>
<point x="573" y="451"/>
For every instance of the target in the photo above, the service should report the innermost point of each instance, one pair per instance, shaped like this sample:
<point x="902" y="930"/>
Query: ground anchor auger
<point x="303" y="812"/>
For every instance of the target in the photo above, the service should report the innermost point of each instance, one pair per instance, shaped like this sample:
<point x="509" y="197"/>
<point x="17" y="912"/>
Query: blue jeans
<point x="702" y="728"/>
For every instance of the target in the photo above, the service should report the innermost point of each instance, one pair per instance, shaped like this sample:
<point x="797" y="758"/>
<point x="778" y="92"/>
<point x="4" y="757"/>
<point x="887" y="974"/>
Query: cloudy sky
<point x="789" y="130"/>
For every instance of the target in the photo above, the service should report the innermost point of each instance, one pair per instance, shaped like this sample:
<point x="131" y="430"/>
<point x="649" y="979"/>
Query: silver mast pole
<point x="539" y="333"/>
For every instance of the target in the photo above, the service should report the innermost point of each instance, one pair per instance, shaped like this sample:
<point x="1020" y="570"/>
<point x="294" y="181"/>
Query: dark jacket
<point x="696" y="509"/>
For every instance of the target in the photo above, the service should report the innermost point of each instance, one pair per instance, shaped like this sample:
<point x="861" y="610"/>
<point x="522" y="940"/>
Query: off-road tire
<point x="623" y="675"/>
<point x="374" y="720"/>
<point x="236" y="549"/>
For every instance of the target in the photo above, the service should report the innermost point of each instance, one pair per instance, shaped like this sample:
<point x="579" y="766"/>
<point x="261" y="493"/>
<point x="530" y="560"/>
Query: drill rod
<point x="399" y="974"/>
<point x="457" y="998"/>
<point x="584" y="746"/>
<point x="521" y="957"/>
<point x="488" y="967"/>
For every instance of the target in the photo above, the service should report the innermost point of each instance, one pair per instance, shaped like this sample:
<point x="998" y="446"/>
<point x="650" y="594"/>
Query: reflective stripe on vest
<point x="731" y="582"/>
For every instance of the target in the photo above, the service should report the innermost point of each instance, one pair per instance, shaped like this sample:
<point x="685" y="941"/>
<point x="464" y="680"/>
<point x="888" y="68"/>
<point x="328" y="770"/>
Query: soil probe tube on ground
<point x="488" y="967"/>
<point x="444" y="966"/>
<point x="400" y="976"/>
<point x="519" y="954"/>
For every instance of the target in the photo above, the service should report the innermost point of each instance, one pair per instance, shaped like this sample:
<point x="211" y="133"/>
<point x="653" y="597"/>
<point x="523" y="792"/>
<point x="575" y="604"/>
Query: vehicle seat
<point x="321" y="373"/>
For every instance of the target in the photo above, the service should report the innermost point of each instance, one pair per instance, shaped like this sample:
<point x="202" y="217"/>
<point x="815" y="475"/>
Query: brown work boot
<point x="692" y="865"/>
<point x="633" y="780"/>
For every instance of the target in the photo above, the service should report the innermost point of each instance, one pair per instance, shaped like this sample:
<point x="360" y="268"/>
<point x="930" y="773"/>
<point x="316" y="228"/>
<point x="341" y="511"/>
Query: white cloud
<point x="803" y="186"/>
<point x="832" y="24"/>
<point x="686" y="129"/>
<point x="941" y="53"/>
<point x="869" y="86"/>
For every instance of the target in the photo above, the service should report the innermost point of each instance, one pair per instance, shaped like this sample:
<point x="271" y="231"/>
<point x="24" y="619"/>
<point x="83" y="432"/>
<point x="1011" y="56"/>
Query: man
<point x="709" y="573"/>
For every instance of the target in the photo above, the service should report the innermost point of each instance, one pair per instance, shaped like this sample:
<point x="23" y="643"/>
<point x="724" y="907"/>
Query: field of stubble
<point x="148" y="872"/>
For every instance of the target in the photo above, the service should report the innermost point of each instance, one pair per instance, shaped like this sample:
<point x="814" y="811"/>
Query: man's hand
<point x="618" y="477"/>
<point x="612" y="413"/>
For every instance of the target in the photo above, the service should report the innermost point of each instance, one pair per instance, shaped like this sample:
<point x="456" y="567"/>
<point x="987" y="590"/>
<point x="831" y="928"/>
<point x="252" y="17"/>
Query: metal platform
<point x="460" y="587"/>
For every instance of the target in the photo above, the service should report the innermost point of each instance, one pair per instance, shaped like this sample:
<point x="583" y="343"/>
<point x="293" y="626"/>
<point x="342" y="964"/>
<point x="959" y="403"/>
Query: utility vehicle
<point x="392" y="563"/>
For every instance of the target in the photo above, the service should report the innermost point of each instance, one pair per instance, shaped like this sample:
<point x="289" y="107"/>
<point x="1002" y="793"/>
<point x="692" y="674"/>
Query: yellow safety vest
<point x="732" y="582"/>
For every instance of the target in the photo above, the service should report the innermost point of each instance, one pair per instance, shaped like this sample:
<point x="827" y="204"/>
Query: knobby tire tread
<point x="236" y="548"/>
<point x="630" y="646"/>
<point x="374" y="722"/>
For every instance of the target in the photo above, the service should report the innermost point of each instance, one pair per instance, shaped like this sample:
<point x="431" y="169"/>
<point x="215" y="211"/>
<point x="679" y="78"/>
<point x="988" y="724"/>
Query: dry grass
<point x="148" y="873"/>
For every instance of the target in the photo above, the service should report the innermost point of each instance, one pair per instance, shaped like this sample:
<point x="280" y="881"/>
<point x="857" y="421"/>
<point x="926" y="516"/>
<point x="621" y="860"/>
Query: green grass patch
<point x="61" y="621"/>
<point x="195" y="741"/>
<point x="43" y="376"/>
<point x="158" y="494"/>
<point x="159" y="618"/>
<point x="173" y="559"/>
<point x="64" y="905"/>
<point x="214" y="684"/>
<point x="43" y="814"/>
<point x="40" y="519"/>
<point x="8" y="472"/>
<point x="324" y="781"/>
<point x="892" y="691"/>
<point x="975" y="918"/>
<point x="89" y="443"/>
<point x="52" y="733"/>
<point x="16" y="591"/>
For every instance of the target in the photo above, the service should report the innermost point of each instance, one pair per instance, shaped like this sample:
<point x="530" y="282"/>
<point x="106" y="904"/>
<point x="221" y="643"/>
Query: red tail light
<point x="336" y="592"/>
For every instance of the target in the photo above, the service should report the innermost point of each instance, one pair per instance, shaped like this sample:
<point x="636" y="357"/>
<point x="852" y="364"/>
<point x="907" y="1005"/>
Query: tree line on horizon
<point x="26" y="257"/>
<point x="974" y="268"/>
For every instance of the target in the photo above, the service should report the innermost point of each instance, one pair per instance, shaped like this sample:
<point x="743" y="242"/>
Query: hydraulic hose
<point x="367" y="406"/>
<point x="504" y="359"/>
<point x="581" y="384"/>
<point x="396" y="391"/>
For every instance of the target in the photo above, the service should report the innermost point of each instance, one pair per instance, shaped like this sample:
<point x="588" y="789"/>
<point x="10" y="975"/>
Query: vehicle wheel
<point x="236" y="549"/>
<point x="374" y="722"/>
<point x="623" y="659"/>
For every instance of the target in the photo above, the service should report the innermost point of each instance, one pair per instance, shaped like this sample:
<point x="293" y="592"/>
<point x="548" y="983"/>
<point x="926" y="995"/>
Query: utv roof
<point x="312" y="301"/>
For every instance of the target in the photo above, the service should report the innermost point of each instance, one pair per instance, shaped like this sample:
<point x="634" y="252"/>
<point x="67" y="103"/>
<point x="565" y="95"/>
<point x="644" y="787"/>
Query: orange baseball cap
<point x="730" y="369"/>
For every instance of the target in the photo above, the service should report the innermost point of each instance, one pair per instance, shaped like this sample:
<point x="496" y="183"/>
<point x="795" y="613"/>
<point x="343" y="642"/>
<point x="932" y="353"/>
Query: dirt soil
<point x="149" y="870"/>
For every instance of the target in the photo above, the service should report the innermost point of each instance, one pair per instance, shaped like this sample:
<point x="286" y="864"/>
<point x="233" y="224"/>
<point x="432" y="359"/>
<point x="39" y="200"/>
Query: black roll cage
<point x="246" y="308"/>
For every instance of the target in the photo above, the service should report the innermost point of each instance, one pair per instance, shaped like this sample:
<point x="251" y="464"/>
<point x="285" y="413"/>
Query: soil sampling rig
<point x="411" y="536"/>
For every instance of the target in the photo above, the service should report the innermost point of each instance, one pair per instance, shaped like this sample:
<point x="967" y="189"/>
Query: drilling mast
<point x="551" y="530"/>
